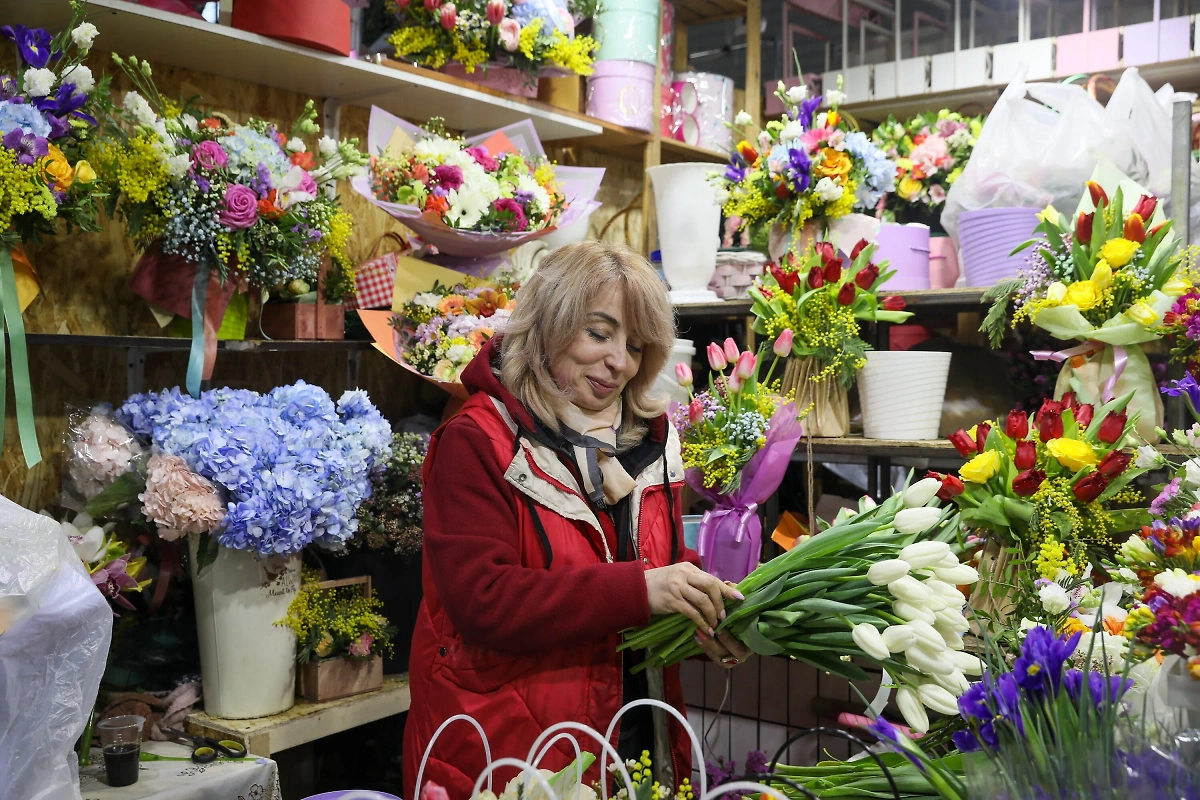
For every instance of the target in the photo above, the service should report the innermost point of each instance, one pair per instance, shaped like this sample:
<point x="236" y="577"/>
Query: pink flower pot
<point x="495" y="76"/>
<point x="943" y="263"/>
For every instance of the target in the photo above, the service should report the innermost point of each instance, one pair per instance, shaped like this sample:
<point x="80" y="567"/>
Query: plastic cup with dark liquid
<point x="121" y="742"/>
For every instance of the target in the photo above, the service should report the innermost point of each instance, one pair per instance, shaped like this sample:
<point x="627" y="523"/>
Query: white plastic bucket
<point x="902" y="393"/>
<point x="689" y="222"/>
<point x="682" y="352"/>
<point x="248" y="662"/>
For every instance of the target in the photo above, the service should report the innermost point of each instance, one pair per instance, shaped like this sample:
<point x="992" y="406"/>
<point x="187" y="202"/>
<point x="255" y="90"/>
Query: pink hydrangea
<point x="178" y="500"/>
<point x="100" y="451"/>
<point x="931" y="154"/>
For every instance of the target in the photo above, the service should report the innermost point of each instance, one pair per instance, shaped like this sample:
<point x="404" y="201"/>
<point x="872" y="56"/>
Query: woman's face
<point x="601" y="359"/>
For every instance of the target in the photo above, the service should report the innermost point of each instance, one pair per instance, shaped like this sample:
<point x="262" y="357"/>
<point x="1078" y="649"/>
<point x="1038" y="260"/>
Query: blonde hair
<point x="552" y="309"/>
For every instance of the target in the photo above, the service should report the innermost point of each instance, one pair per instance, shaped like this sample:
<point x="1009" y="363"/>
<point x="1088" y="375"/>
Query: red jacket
<point x="518" y="643"/>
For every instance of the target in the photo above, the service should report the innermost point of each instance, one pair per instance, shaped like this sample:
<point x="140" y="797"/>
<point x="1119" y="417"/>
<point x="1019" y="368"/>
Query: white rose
<point x="84" y="35"/>
<point x="1054" y="599"/>
<point x="39" y="82"/>
<point x="178" y="166"/>
<point x="1147" y="457"/>
<point x="743" y="118"/>
<point x="327" y="146"/>
<point x="827" y="192"/>
<point x="296" y="145"/>
<point x="835" y="97"/>
<point x="82" y="77"/>
<point x="797" y="94"/>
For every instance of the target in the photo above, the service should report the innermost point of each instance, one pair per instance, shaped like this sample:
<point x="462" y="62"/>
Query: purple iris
<point x="807" y="108"/>
<point x="798" y="166"/>
<point x="887" y="732"/>
<point x="966" y="741"/>
<point x="64" y="102"/>
<point x="9" y="89"/>
<point x="59" y="127"/>
<point x="32" y="43"/>
<point x="736" y="171"/>
<point x="28" y="147"/>
<point x="1187" y="387"/>
<point x="972" y="704"/>
<point x="1101" y="691"/>
<point x="1042" y="657"/>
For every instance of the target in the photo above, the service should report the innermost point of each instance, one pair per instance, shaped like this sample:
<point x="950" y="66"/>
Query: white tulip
<point x="937" y="698"/>
<point x="928" y="660"/>
<point x="884" y="572"/>
<point x="912" y="709"/>
<point x="916" y="520"/>
<point x="962" y="575"/>
<point x="949" y="560"/>
<point x="909" y="612"/>
<point x="952" y="639"/>
<point x="967" y="663"/>
<point x="924" y="632"/>
<point x="910" y="590"/>
<point x="921" y="492"/>
<point x="952" y="620"/>
<point x="898" y="638"/>
<point x="867" y="502"/>
<point x="867" y="637"/>
<point x="935" y="603"/>
<point x="955" y="683"/>
<point x="924" y="554"/>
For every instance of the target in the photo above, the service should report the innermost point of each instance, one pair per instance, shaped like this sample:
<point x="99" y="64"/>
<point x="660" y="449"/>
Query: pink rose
<point x="510" y="34"/>
<point x="209" y="155"/>
<point x="930" y="154"/>
<point x="241" y="207"/>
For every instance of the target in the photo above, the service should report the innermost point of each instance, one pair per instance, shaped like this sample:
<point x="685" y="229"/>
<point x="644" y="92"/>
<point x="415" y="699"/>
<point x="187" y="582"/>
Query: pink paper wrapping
<point x="730" y="538"/>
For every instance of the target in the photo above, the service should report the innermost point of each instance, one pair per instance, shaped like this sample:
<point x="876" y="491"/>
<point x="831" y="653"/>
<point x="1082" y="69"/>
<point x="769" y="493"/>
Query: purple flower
<point x="1043" y="654"/>
<point x="201" y="183"/>
<point x="965" y="741"/>
<point x="8" y="88"/>
<point x="1187" y="387"/>
<point x="888" y="733"/>
<point x="807" y="107"/>
<point x="261" y="183"/>
<point x="64" y="102"/>
<point x="112" y="579"/>
<point x="209" y="155"/>
<point x="1158" y="505"/>
<point x="241" y="207"/>
<point x="797" y="169"/>
<point x="1100" y="691"/>
<point x="448" y="176"/>
<point x="973" y="703"/>
<point x="736" y="171"/>
<point x="28" y="147"/>
<point x="482" y="158"/>
<point x="32" y="43"/>
<point x="59" y="127"/>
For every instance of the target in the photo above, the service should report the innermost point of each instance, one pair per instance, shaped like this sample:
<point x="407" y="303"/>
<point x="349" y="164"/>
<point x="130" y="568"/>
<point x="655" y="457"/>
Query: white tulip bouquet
<point x="878" y="584"/>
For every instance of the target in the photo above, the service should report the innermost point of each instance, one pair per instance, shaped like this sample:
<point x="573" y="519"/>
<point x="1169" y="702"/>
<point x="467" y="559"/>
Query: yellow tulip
<point x="84" y="173"/>
<point x="1083" y="295"/>
<point x="1102" y="275"/>
<point x="1141" y="313"/>
<point x="1072" y="453"/>
<point x="981" y="468"/>
<point x="909" y="189"/>
<point x="1049" y="214"/>
<point x="1118" y="252"/>
<point x="1176" y="287"/>
<point x="1056" y="292"/>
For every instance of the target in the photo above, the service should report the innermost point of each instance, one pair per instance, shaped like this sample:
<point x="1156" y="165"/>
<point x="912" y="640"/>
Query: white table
<point x="184" y="780"/>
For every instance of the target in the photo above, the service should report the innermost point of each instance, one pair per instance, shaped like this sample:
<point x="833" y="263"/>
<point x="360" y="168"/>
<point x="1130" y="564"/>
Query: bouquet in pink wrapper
<point x="737" y="439"/>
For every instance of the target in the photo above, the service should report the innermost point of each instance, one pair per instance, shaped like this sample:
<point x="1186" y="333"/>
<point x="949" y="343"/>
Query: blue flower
<point x="32" y="43"/>
<point x="1101" y="691"/>
<point x="1040" y="666"/>
<point x="965" y="741"/>
<point x="879" y="173"/>
<point x="15" y="115"/>
<point x="973" y="703"/>
<point x="1188" y="387"/>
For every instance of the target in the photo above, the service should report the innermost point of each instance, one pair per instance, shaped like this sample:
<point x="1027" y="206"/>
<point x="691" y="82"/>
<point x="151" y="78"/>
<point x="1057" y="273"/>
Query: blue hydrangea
<point x="23" y="116"/>
<point x="294" y="465"/>
<point x="880" y="172"/>
<point x="247" y="149"/>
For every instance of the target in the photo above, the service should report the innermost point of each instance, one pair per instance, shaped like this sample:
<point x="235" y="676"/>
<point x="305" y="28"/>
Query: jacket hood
<point x="483" y="375"/>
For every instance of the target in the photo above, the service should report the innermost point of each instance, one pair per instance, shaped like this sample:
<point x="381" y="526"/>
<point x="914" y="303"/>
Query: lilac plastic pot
<point x="622" y="92"/>
<point x="906" y="249"/>
<point x="987" y="237"/>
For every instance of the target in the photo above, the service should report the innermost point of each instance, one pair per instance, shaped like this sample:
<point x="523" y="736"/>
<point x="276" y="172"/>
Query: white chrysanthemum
<point x="435" y="148"/>
<point x="82" y="77"/>
<point x="83" y="36"/>
<point x="827" y="191"/>
<point x="39" y="82"/>
<point x="327" y="146"/>
<point x="140" y="108"/>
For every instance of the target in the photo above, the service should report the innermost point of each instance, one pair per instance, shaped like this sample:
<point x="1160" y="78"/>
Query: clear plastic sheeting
<point x="703" y="110"/>
<point x="55" y="629"/>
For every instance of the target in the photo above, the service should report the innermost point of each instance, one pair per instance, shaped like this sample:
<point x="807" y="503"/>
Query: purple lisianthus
<point x="29" y="147"/>
<point x="209" y="155"/>
<point x="241" y="207"/>
<point x="33" y="44"/>
<point x="482" y="158"/>
<point x="1158" y="506"/>
<point x="448" y="176"/>
<point x="511" y="214"/>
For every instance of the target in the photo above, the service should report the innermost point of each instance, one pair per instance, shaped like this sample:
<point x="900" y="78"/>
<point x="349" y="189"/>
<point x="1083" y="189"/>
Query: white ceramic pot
<point x="574" y="233"/>
<point x="902" y="393"/>
<point x="689" y="221"/>
<point x="681" y="353"/>
<point x="247" y="661"/>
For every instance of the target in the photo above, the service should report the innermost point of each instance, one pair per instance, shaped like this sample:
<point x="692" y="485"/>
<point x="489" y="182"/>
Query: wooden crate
<point x="334" y="678"/>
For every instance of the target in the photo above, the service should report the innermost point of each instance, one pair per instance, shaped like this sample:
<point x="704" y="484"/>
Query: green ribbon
<point x="22" y="391"/>
<point x="195" y="370"/>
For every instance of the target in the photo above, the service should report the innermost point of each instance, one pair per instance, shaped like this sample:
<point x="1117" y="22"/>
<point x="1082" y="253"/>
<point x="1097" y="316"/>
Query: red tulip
<point x="981" y="433"/>
<point x="1155" y="229"/>
<point x="1089" y="487"/>
<point x="846" y="293"/>
<point x="449" y="16"/>
<point x="1083" y="227"/>
<point x="783" y="345"/>
<point x="815" y="278"/>
<point x="432" y="5"/>
<point x="1112" y="427"/>
<point x="695" y="411"/>
<point x="1084" y="414"/>
<point x="893" y="303"/>
<point x="1113" y="464"/>
<point x="865" y="278"/>
<point x="787" y="280"/>
<point x="781" y="190"/>
<point x="731" y="350"/>
<point x="1026" y="455"/>
<point x="1069" y="401"/>
<point x="747" y="152"/>
<point x="833" y="270"/>
<point x="826" y="251"/>
<point x="858" y="248"/>
<point x="495" y="12"/>
<point x="963" y="443"/>
<point x="1027" y="482"/>
<point x="1097" y="192"/>
<point x="952" y="487"/>
<point x="716" y="357"/>
<point x="1049" y="421"/>
<point x="1135" y="230"/>
<point x="1145" y="206"/>
<point x="1017" y="425"/>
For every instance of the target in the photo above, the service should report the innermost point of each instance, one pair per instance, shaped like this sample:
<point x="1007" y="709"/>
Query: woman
<point x="553" y="523"/>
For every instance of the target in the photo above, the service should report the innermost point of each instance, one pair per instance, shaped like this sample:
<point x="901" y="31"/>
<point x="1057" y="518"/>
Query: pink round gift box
<point x="906" y="249"/>
<point x="943" y="263"/>
<point x="622" y="92"/>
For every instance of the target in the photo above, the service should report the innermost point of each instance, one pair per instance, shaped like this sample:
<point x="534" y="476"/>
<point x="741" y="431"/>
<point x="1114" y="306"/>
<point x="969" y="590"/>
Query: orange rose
<point x="833" y="164"/>
<point x="56" y="170"/>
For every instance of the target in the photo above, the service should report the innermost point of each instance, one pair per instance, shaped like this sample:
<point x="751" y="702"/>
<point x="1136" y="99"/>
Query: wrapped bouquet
<point x="390" y="519"/>
<point x="1105" y="278"/>
<point x="737" y="439"/>
<point x="930" y="152"/>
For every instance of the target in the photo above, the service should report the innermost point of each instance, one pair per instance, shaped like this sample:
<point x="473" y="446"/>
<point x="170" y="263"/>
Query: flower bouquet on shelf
<point x="475" y="198"/>
<point x="822" y="297"/>
<point x="737" y="439"/>
<point x="1106" y="277"/>
<point x="341" y="637"/>
<point x="802" y="172"/>
<point x="1049" y="494"/>
<point x="510" y="43"/>
<point x="48" y="114"/>
<point x="113" y="568"/>
<point x="217" y="206"/>
<point x="390" y="519"/>
<point x="879" y="584"/>
<point x="930" y="152"/>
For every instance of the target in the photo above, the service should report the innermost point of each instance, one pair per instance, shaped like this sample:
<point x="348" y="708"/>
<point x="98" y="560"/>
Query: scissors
<point x="206" y="749"/>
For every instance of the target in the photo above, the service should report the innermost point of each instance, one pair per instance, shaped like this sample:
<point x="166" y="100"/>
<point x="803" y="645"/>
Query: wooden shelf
<point x="182" y="344"/>
<point x="695" y="12"/>
<point x="180" y="41"/>
<point x="305" y="721"/>
<point x="675" y="152"/>
<point x="918" y="300"/>
<point x="861" y="448"/>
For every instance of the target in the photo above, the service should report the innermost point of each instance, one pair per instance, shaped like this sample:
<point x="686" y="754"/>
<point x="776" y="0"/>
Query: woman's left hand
<point x="724" y="648"/>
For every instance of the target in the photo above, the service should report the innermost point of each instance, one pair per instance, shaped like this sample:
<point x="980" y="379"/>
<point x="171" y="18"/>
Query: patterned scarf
<point x="593" y="438"/>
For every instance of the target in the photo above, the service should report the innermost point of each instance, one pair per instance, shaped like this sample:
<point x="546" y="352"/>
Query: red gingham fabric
<point x="374" y="281"/>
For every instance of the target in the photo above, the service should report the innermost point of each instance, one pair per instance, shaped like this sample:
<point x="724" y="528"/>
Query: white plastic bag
<point x="1040" y="149"/>
<point x="55" y="629"/>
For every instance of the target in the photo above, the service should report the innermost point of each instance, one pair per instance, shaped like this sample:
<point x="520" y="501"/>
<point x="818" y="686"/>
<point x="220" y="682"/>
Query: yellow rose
<point x="1176" y="287"/>
<point x="1049" y="214"/>
<point x="1056" y="292"/>
<point x="1102" y="275"/>
<point x="84" y="173"/>
<point x="833" y="164"/>
<point x="981" y="468"/>
<point x="909" y="188"/>
<point x="1083" y="295"/>
<point x="1072" y="453"/>
<point x="56" y="169"/>
<point x="1118" y="252"/>
<point x="1142" y="313"/>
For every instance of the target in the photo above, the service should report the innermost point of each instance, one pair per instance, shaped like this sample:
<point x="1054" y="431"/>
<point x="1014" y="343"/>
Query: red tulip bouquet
<point x="737" y="439"/>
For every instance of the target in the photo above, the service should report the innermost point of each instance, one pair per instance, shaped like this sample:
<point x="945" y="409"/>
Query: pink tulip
<point x="783" y="345"/>
<point x="716" y="357"/>
<point x="432" y="5"/>
<point x="746" y="365"/>
<point x="695" y="411"/>
<point x="731" y="350"/>
<point x="402" y="3"/>
<point x="734" y="383"/>
<point x="683" y="374"/>
<point x="449" y="16"/>
<point x="495" y="11"/>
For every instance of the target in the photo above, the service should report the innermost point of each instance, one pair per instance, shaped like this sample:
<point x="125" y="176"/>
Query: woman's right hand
<point x="686" y="589"/>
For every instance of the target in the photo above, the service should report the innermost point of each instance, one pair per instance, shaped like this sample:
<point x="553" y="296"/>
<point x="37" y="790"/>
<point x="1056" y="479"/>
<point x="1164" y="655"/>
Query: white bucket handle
<point x="487" y="751"/>
<point x="697" y="750"/>
<point x="606" y="750"/>
<point x="527" y="771"/>
<point x="578" y="753"/>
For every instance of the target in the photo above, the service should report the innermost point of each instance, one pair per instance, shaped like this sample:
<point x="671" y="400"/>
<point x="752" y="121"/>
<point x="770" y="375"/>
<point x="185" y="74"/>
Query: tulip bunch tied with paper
<point x="878" y="584"/>
<point x="737" y="438"/>
<point x="1106" y="277"/>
